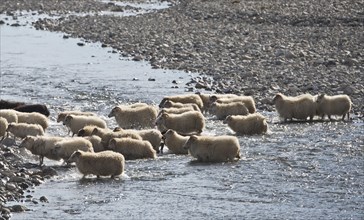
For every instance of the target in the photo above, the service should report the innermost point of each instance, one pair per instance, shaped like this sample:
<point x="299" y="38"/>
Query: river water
<point x="296" y="171"/>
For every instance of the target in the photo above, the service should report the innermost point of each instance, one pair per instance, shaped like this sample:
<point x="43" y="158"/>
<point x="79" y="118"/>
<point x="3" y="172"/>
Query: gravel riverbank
<point x="254" y="48"/>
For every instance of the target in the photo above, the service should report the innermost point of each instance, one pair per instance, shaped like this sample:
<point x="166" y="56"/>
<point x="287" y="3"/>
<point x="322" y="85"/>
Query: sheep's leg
<point x="98" y="176"/>
<point x="343" y="118"/>
<point x="41" y="160"/>
<point x="161" y="148"/>
<point x="311" y="117"/>
<point x="348" y="116"/>
<point x="112" y="177"/>
<point x="329" y="116"/>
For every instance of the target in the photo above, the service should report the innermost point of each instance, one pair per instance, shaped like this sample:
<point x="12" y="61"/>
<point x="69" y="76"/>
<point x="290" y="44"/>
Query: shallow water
<point x="296" y="171"/>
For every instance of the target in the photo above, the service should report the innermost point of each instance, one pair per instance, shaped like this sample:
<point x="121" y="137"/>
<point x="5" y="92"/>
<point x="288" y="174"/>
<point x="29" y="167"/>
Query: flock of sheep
<point x="145" y="129"/>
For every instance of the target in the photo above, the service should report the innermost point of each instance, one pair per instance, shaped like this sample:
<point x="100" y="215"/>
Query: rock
<point x="18" y="208"/>
<point x="43" y="199"/>
<point x="81" y="44"/>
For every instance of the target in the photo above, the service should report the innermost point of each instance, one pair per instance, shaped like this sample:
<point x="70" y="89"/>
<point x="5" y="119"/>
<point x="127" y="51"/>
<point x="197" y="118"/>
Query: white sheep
<point x="247" y="100"/>
<point x="3" y="127"/>
<point x="105" y="163"/>
<point x="33" y="118"/>
<point x="9" y="114"/>
<point x="333" y="105"/>
<point x="298" y="107"/>
<point x="62" y="115"/>
<point x="171" y="104"/>
<point x="221" y="110"/>
<point x="175" y="110"/>
<point x="96" y="143"/>
<point x="154" y="136"/>
<point x="206" y="99"/>
<point x="41" y="146"/>
<point x="192" y="122"/>
<point x="247" y="125"/>
<point x="132" y="149"/>
<point x="175" y="142"/>
<point x="107" y="135"/>
<point x="213" y="149"/>
<point x="185" y="98"/>
<point x="137" y="117"/>
<point x="21" y="130"/>
<point x="77" y="122"/>
<point x="65" y="148"/>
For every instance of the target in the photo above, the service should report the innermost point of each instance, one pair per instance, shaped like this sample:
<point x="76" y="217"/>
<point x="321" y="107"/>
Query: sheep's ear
<point x="117" y="129"/>
<point x="112" y="141"/>
<point x="77" y="153"/>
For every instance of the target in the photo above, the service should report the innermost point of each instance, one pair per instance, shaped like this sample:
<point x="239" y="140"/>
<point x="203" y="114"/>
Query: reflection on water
<point x="313" y="170"/>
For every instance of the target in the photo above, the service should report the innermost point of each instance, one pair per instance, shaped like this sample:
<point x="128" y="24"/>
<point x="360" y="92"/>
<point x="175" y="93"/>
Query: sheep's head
<point x="277" y="97"/>
<point x="68" y="120"/>
<point x="74" y="157"/>
<point x="10" y="126"/>
<point x="27" y="142"/>
<point x="168" y="104"/>
<point x="114" y="111"/>
<point x="61" y="117"/>
<point x="192" y="140"/>
<point x="228" y="119"/>
<point x="320" y="97"/>
<point x="161" y="104"/>
<point x="112" y="144"/>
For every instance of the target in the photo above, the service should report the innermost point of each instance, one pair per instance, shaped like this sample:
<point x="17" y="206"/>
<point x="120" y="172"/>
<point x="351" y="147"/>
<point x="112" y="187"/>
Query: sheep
<point x="4" y="104"/>
<point x="185" y="123"/>
<point x="41" y="146"/>
<point x="138" y="117"/>
<point x="247" y="125"/>
<point x="186" y="98"/>
<point x="105" y="163"/>
<point x="96" y="143"/>
<point x="39" y="108"/>
<point x="172" y="104"/>
<point x="221" y="110"/>
<point x="65" y="148"/>
<point x="154" y="136"/>
<point x="333" y="105"/>
<point x="175" y="110"/>
<point x="33" y="118"/>
<point x="87" y="130"/>
<point x="175" y="142"/>
<point x="247" y="100"/>
<point x="106" y="135"/>
<point x="21" y="130"/>
<point x="299" y="107"/>
<point x="10" y="115"/>
<point x="206" y="99"/>
<point x="132" y="149"/>
<point x="213" y="149"/>
<point x="62" y="115"/>
<point x="77" y="122"/>
<point x="3" y="127"/>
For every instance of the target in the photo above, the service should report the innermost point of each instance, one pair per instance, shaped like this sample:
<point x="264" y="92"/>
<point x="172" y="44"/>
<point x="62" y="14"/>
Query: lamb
<point x="247" y="100"/>
<point x="33" y="118"/>
<point x="172" y="104"/>
<point x="22" y="130"/>
<point x="213" y="149"/>
<point x="77" y="122"/>
<point x="186" y="98"/>
<point x="63" y="115"/>
<point x="105" y="163"/>
<point x="175" y="142"/>
<point x="107" y="135"/>
<point x="65" y="148"/>
<point x="138" y="117"/>
<point x="41" y="146"/>
<point x="96" y="143"/>
<point x="185" y="123"/>
<point x="10" y="115"/>
<point x="206" y="99"/>
<point x="221" y="110"/>
<point x="247" y="125"/>
<point x="299" y="107"/>
<point x="154" y="136"/>
<point x="132" y="149"/>
<point x="3" y="127"/>
<point x="333" y="105"/>
<point x="39" y="108"/>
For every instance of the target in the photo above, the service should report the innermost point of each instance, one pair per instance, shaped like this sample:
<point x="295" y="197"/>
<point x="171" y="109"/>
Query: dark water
<point x="296" y="171"/>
